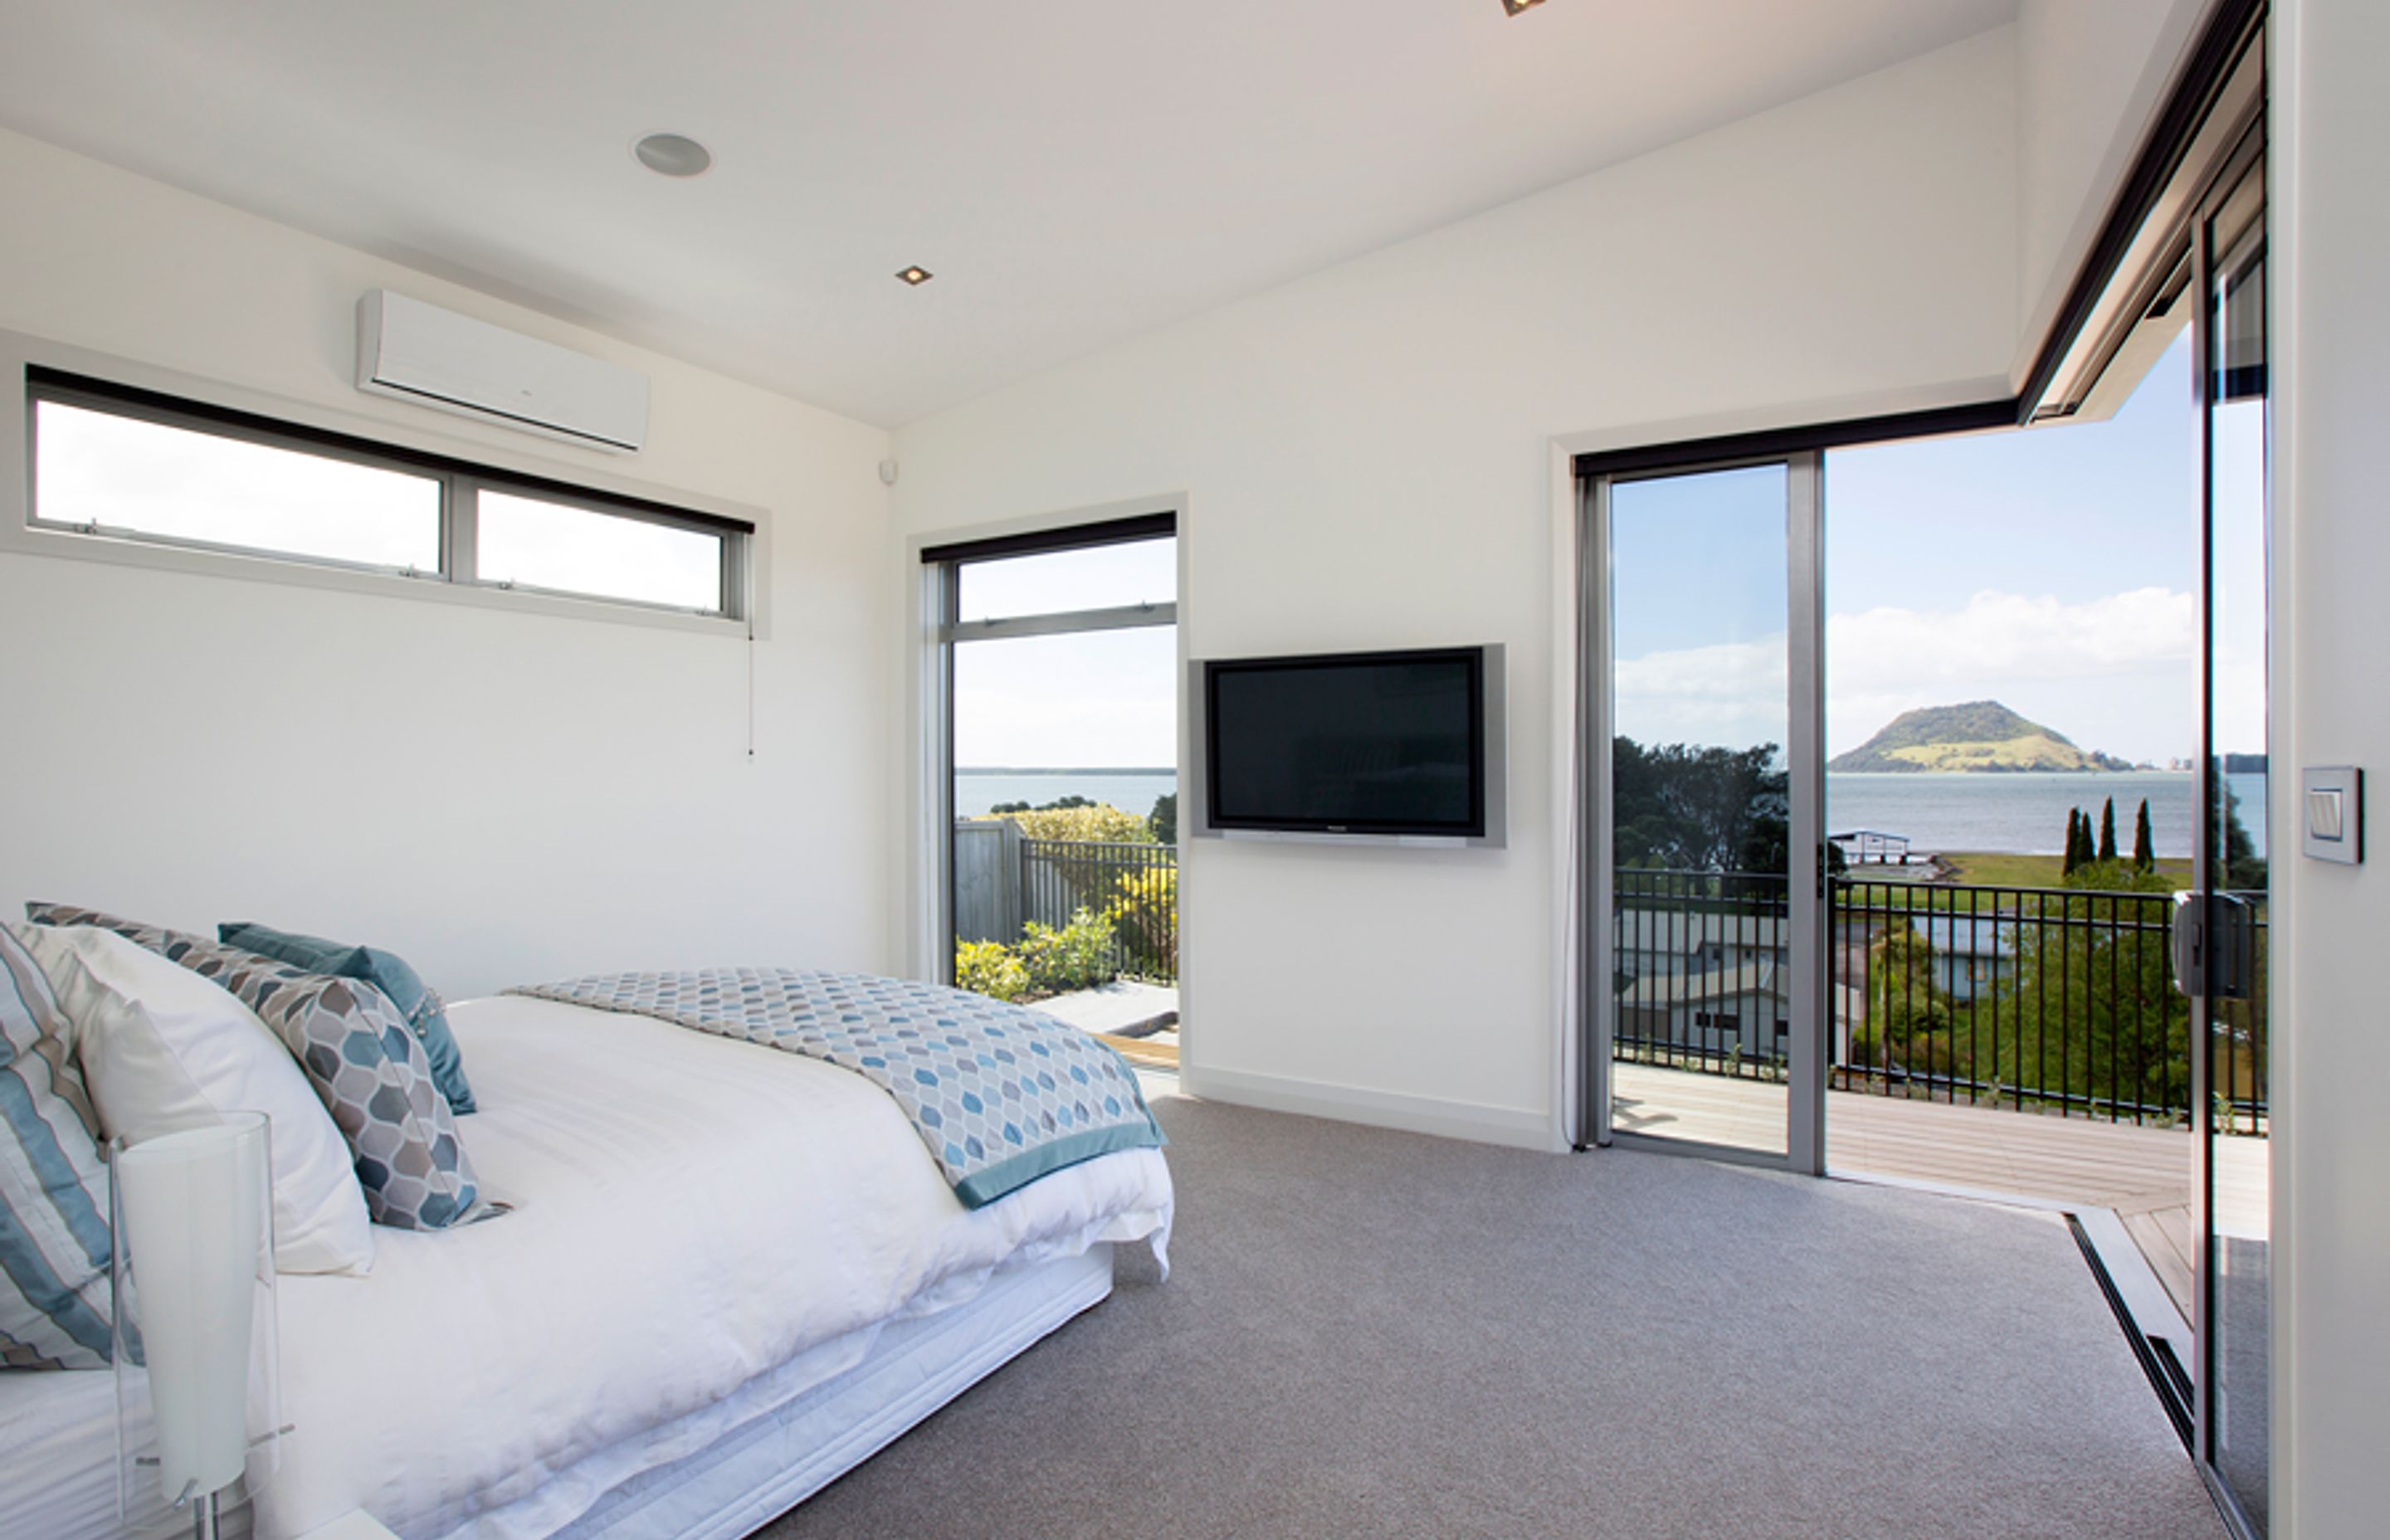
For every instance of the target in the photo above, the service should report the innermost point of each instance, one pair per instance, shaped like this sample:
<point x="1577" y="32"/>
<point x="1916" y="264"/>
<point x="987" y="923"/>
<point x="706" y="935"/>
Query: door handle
<point x="2213" y="949"/>
<point x="2188" y="944"/>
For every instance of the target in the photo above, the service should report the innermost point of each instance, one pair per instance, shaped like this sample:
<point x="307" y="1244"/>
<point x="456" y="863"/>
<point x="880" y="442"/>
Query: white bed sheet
<point x="690" y="1213"/>
<point x="57" y="1460"/>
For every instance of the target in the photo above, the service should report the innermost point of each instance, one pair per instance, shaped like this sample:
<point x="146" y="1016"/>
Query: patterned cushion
<point x="360" y="1056"/>
<point x="162" y="1049"/>
<point x="386" y="971"/>
<point x="53" y="1238"/>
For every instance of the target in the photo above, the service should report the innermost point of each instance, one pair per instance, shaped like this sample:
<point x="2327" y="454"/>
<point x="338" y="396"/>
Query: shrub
<point x="1909" y="1020"/>
<point x="1144" y="911"/>
<point x="2111" y="876"/>
<point x="1076" y="956"/>
<point x="1097" y="821"/>
<point x="989" y="968"/>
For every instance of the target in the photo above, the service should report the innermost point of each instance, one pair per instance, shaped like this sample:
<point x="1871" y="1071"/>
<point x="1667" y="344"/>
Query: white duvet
<point x="690" y="1213"/>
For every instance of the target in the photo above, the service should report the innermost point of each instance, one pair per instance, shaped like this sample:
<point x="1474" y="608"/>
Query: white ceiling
<point x="1074" y="171"/>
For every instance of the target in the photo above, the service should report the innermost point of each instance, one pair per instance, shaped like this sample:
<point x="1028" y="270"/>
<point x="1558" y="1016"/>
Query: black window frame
<point x="460" y="482"/>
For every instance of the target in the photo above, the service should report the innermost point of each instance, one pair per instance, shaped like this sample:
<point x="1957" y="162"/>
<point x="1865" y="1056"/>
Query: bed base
<point x="746" y="1477"/>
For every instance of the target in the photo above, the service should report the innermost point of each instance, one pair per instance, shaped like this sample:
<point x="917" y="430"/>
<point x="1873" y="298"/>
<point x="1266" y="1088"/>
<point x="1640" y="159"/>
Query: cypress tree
<point x="2074" y="841"/>
<point x="2143" y="856"/>
<point x="2108" y="831"/>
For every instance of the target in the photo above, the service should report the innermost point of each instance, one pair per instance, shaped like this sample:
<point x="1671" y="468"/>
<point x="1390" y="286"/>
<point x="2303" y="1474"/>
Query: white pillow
<point x="163" y="1048"/>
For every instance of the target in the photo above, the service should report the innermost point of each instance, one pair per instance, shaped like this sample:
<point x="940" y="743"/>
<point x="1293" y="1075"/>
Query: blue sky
<point x="2052" y="569"/>
<point x="1103" y="698"/>
<point x="2077" y="511"/>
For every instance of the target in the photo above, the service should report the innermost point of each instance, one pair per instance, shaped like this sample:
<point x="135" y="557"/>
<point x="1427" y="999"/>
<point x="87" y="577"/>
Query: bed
<point x="724" y="1276"/>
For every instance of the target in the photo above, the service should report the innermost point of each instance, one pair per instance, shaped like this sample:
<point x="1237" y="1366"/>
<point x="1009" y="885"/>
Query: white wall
<point x="1367" y="461"/>
<point x="502" y="797"/>
<point x="2091" y="75"/>
<point x="2331" y="224"/>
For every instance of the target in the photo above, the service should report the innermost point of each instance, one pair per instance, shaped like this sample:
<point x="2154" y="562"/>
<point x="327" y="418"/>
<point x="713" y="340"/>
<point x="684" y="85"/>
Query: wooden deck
<point x="2143" y="1174"/>
<point x="1158" y="1052"/>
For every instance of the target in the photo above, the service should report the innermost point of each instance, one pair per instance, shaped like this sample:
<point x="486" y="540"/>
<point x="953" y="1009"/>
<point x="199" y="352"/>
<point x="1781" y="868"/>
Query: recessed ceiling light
<point x="1518" y="8"/>
<point x="673" y="155"/>
<point x="916" y="277"/>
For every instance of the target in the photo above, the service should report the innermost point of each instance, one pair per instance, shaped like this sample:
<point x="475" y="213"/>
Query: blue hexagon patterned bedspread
<point x="1000" y="1094"/>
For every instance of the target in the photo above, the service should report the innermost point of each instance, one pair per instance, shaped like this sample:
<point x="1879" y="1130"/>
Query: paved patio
<point x="1122" y="1009"/>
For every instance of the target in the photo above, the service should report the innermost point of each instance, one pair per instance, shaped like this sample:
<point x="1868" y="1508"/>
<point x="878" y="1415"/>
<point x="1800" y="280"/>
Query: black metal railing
<point x="1133" y="886"/>
<point x="2032" y="999"/>
<point x="1698" y="970"/>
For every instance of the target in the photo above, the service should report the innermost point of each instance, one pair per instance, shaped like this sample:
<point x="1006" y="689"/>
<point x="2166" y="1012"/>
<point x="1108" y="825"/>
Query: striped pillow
<point x="53" y="1238"/>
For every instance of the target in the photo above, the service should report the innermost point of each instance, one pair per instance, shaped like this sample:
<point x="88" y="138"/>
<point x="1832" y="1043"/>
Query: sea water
<point x="2025" y="812"/>
<point x="1130" y="791"/>
<point x="2022" y="813"/>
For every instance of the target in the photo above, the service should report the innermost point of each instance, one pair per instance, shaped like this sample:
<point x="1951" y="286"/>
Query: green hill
<point x="1977" y="737"/>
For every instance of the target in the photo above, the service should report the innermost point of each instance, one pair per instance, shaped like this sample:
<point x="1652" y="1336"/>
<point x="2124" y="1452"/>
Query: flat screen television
<point x="1403" y="745"/>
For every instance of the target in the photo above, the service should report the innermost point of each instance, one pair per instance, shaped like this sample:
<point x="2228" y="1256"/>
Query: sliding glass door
<point x="2229" y="1016"/>
<point x="1703" y="967"/>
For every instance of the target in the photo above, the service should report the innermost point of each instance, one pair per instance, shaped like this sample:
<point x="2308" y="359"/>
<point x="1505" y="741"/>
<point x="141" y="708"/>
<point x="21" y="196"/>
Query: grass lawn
<point x="1995" y="869"/>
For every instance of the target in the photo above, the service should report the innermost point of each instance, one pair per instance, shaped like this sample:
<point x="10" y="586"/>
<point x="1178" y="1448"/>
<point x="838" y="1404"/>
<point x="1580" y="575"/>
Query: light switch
<point x="2333" y="803"/>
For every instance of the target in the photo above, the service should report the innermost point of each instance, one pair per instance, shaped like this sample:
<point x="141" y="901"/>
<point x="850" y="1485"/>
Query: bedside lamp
<point x="195" y="1316"/>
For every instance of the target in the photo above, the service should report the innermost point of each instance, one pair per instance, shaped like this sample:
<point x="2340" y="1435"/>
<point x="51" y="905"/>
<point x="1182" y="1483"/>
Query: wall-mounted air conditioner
<point x="435" y="357"/>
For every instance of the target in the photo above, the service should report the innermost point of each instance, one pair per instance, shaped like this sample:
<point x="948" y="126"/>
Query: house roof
<point x="1680" y="930"/>
<point x="1968" y="936"/>
<point x="1720" y="987"/>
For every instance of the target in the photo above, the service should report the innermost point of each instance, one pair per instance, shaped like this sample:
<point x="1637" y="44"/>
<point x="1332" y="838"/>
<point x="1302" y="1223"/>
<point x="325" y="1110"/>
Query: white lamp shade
<point x="193" y="1207"/>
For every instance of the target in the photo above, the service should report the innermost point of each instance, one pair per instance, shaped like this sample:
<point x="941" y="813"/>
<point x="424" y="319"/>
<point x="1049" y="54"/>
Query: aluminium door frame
<point x="2248" y="158"/>
<point x="1805" y="894"/>
<point x="939" y="568"/>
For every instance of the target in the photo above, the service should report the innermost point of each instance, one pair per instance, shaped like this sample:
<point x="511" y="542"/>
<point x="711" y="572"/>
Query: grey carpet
<point x="1377" y="1334"/>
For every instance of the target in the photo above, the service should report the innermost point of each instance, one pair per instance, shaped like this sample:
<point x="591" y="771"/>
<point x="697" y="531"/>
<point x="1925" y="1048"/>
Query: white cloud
<point x="2014" y="636"/>
<point x="1731" y="694"/>
<point x="2113" y="673"/>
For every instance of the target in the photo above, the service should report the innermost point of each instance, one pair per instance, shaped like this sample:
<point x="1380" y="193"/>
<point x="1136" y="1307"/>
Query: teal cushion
<point x="384" y="970"/>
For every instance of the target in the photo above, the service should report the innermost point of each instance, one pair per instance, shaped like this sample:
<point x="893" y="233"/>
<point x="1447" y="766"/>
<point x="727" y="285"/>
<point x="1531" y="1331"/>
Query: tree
<point x="2108" y="831"/>
<point x="1905" y="1028"/>
<point x="1164" y="819"/>
<point x="1700" y="809"/>
<point x="2144" y="857"/>
<point x="2089" y="1012"/>
<point x="1059" y="806"/>
<point x="2243" y="868"/>
<point x="1081" y="821"/>
<point x="2080" y="850"/>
